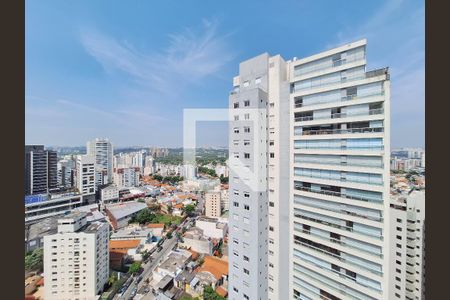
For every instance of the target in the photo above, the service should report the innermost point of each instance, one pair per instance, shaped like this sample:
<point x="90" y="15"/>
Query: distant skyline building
<point x="76" y="259"/>
<point x="102" y="150"/>
<point x="41" y="173"/>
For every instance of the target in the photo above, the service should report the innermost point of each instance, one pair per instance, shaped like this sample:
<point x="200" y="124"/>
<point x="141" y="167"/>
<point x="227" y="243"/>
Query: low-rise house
<point x="157" y="229"/>
<point x="194" y="239"/>
<point x="213" y="272"/>
<point x="212" y="227"/>
<point x="173" y="265"/>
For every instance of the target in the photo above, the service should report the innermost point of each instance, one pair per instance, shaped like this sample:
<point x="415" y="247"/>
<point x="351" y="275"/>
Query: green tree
<point x="135" y="267"/>
<point x="210" y="294"/>
<point x="189" y="209"/>
<point x="34" y="260"/>
<point x="169" y="235"/>
<point x="112" y="278"/>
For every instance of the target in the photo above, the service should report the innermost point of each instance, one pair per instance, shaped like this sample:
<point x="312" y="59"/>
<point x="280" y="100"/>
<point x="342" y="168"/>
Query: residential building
<point x="102" y="150"/>
<point x="76" y="259"/>
<point x="195" y="240"/>
<point x="85" y="177"/>
<point x="259" y="148"/>
<point x="40" y="170"/>
<point x="157" y="229"/>
<point x="322" y="173"/>
<point x="108" y="194"/>
<point x="211" y="227"/>
<point x="212" y="204"/>
<point x="340" y="139"/>
<point x="126" y="177"/>
<point x="407" y="257"/>
<point x="188" y="172"/>
<point x="66" y="170"/>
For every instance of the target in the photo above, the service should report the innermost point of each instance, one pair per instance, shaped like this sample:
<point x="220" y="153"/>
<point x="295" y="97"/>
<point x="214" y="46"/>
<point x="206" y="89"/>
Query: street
<point x="150" y="266"/>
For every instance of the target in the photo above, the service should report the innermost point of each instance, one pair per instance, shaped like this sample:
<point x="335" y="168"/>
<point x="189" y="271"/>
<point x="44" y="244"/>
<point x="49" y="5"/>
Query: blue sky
<point x="126" y="70"/>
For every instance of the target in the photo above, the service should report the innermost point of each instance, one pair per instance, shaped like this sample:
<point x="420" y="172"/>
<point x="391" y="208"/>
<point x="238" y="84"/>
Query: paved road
<point x="156" y="258"/>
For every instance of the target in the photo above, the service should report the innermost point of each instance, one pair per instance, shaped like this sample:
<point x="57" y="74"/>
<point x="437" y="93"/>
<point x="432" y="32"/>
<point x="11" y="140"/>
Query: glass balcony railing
<point x="329" y="65"/>
<point x="337" y="194"/>
<point x="342" y="99"/>
<point x="366" y="75"/>
<point x="371" y="112"/>
<point x="343" y="131"/>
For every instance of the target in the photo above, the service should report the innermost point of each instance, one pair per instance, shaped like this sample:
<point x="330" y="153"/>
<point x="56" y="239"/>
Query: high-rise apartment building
<point x="318" y="144"/>
<point x="340" y="116"/>
<point x="407" y="266"/>
<point x="40" y="170"/>
<point x="102" y="150"/>
<point x="76" y="259"/>
<point x="213" y="204"/>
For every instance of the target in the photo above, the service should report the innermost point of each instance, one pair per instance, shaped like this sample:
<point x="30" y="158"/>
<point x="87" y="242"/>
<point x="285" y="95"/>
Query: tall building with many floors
<point x="85" y="176"/>
<point x="321" y="213"/>
<point x="340" y="142"/>
<point x="76" y="259"/>
<point x="102" y="150"/>
<point x="407" y="266"/>
<point x="40" y="170"/>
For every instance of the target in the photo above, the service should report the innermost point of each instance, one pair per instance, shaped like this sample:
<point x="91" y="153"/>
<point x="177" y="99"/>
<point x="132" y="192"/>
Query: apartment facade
<point x="213" y="204"/>
<point x="102" y="150"/>
<point x="340" y="121"/>
<point x="85" y="176"/>
<point x="76" y="259"/>
<point x="407" y="266"/>
<point x="248" y="206"/>
<point x="323" y="155"/>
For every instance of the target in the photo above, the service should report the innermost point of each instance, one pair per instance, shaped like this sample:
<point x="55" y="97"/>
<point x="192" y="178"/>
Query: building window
<point x="247" y="117"/>
<point x="272" y="155"/>
<point x="246" y="258"/>
<point x="235" y="204"/>
<point x="270" y="228"/>
<point x="271" y="204"/>
<point x="247" y="129"/>
<point x="246" y="207"/>
<point x="246" y="142"/>
<point x="246" y="155"/>
<point x="399" y="220"/>
<point x="236" y="130"/>
<point x="247" y="103"/>
<point x="236" y="117"/>
<point x="236" y="105"/>
<point x="246" y="271"/>
<point x="258" y="80"/>
<point x="246" y="83"/>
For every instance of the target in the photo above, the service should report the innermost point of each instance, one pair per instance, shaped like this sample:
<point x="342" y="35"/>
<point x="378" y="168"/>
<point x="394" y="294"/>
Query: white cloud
<point x="190" y="56"/>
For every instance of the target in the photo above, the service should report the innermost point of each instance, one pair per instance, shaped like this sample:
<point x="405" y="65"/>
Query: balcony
<point x="335" y="194"/>
<point x="372" y="112"/>
<point x="330" y="65"/>
<point x="343" y="131"/>
<point x="342" y="99"/>
<point x="366" y="75"/>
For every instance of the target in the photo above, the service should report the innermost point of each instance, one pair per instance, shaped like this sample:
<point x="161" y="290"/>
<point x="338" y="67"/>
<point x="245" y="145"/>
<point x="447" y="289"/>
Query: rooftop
<point x="122" y="210"/>
<point x="215" y="266"/>
<point x="123" y="244"/>
<point x="156" y="225"/>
